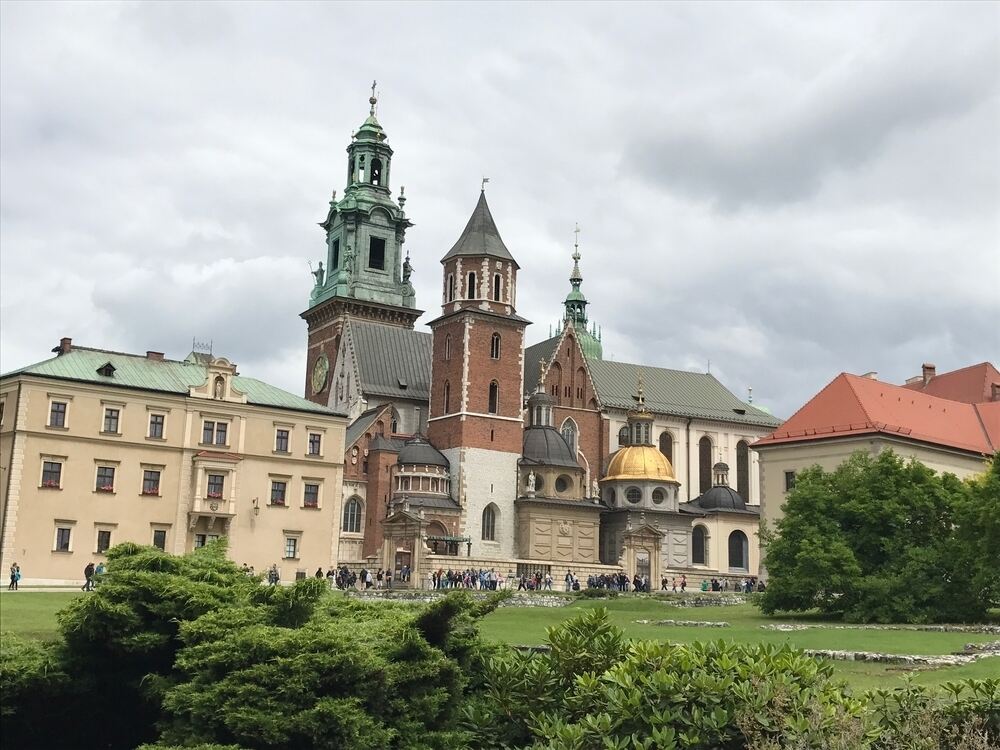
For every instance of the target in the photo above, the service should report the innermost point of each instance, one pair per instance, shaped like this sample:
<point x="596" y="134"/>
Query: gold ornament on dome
<point x="640" y="462"/>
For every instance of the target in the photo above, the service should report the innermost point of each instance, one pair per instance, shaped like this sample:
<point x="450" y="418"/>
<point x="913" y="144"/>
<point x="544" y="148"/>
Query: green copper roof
<point x="167" y="376"/>
<point x="590" y="344"/>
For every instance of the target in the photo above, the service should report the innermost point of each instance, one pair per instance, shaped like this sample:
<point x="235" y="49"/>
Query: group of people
<point x="743" y="586"/>
<point x="618" y="582"/>
<point x="343" y="578"/>
<point x="15" y="577"/>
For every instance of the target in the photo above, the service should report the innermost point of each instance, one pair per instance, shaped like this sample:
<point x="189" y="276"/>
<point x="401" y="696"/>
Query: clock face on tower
<point x="319" y="374"/>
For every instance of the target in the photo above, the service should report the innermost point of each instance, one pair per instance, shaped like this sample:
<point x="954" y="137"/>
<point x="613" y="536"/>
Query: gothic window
<point x="496" y="287"/>
<point x="739" y="551"/>
<point x="451" y="288"/>
<point x="447" y="397"/>
<point x="376" y="253"/>
<point x="447" y="346"/>
<point x="471" y="290"/>
<point x="704" y="464"/>
<point x="395" y="425"/>
<point x="699" y="546"/>
<point x="743" y="470"/>
<point x="336" y="255"/>
<point x="667" y="446"/>
<point x="352" y="516"/>
<point x="376" y="172"/>
<point x="494" y="405"/>
<point x="623" y="436"/>
<point x="633" y="495"/>
<point x="490" y="523"/>
<point x="495" y="346"/>
<point x="569" y="433"/>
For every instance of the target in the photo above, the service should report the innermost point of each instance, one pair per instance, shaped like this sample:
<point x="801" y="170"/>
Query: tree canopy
<point x="883" y="540"/>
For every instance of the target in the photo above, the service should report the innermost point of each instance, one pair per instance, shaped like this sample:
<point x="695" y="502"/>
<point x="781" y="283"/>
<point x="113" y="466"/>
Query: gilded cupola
<point x="639" y="459"/>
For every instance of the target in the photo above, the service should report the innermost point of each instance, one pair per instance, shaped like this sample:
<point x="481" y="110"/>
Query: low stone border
<point x="789" y="627"/>
<point x="910" y="660"/>
<point x="706" y="601"/>
<point x="989" y="648"/>
<point x="686" y="623"/>
<point x="426" y="597"/>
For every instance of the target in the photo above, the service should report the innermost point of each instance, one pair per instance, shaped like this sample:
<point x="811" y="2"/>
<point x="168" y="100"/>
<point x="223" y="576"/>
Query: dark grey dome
<point x="546" y="447"/>
<point x="539" y="398"/>
<point x="416" y="450"/>
<point x="720" y="467"/>
<point x="720" y="497"/>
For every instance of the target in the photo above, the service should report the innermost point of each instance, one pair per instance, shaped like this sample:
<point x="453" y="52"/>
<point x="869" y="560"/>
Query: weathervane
<point x="482" y="189"/>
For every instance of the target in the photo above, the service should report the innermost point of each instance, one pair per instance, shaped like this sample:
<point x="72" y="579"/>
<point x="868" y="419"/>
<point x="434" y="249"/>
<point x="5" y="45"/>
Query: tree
<point x="879" y="539"/>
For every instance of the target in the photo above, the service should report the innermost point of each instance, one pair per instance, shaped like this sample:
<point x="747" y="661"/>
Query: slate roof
<point x="532" y="355"/>
<point x="432" y="502"/>
<point x="853" y="405"/>
<point x="138" y="372"/>
<point x="392" y="362"/>
<point x="360" y="426"/>
<point x="972" y="384"/>
<point x="480" y="236"/>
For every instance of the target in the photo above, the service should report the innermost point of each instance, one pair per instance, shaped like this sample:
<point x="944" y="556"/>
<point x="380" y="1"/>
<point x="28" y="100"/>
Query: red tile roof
<point x="853" y="405"/>
<point x="972" y="384"/>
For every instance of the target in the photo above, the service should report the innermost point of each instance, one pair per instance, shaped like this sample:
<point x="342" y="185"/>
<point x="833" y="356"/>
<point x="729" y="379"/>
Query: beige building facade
<point x="98" y="448"/>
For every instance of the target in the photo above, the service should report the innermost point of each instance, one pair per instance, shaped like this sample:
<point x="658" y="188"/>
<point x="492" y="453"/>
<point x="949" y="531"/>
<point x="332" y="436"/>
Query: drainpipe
<point x="688" y="450"/>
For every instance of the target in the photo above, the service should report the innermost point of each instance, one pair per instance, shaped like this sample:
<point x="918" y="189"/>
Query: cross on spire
<point x="372" y="100"/>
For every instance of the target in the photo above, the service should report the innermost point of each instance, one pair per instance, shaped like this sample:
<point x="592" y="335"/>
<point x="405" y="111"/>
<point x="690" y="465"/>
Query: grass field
<point x="32" y="614"/>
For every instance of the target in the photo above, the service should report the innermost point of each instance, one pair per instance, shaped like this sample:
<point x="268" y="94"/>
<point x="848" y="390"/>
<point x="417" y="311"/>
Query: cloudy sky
<point x="788" y="190"/>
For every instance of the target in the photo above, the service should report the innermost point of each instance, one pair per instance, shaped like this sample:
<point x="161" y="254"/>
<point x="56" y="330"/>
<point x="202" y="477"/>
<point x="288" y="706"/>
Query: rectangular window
<point x="216" y="485"/>
<point x="291" y="547"/>
<point x="221" y="433"/>
<point x="103" y="541"/>
<point x="105" y="479"/>
<point x="281" y="441"/>
<point x="150" y="482"/>
<point x="335" y="263"/>
<point x="57" y="414"/>
<point x="315" y="443"/>
<point x="156" y="425"/>
<point x="111" y="421"/>
<point x="310" y="496"/>
<point x="160" y="539"/>
<point x="789" y="481"/>
<point x="214" y="433"/>
<point x="199" y="540"/>
<point x="376" y="253"/>
<point x="208" y="432"/>
<point x="63" y="538"/>
<point x="51" y="474"/>
<point x="278" y="490"/>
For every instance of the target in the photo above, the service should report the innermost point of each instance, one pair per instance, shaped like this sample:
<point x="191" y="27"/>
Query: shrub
<point x="597" y="593"/>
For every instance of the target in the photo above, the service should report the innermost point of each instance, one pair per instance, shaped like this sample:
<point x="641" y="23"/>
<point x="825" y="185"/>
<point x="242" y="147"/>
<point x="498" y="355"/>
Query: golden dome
<point x="640" y="462"/>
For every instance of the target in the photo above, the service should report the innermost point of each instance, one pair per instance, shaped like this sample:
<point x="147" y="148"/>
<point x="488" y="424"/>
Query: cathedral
<point x="468" y="448"/>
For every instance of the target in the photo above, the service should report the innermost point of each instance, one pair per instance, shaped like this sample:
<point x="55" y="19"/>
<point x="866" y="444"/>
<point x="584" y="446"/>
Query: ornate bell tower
<point x="364" y="274"/>
<point x="476" y="382"/>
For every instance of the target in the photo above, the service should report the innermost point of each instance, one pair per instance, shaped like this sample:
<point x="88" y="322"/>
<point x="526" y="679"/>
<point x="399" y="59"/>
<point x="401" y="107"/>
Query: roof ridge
<point x="854" y="392"/>
<point x="982" y="426"/>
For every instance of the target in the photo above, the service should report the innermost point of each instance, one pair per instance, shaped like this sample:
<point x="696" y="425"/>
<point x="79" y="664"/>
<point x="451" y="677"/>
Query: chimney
<point x="65" y="346"/>
<point x="157" y="356"/>
<point x="871" y="375"/>
<point x="929" y="371"/>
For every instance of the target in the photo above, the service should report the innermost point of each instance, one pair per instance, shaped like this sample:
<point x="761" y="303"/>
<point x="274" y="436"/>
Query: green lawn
<point x="33" y="614"/>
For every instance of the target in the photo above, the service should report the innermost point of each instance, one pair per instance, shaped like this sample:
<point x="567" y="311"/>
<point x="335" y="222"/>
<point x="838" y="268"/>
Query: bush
<point x="597" y="593"/>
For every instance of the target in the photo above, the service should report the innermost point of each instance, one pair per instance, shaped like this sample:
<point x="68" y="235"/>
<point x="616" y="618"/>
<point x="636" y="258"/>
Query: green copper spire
<point x="576" y="307"/>
<point x="365" y="229"/>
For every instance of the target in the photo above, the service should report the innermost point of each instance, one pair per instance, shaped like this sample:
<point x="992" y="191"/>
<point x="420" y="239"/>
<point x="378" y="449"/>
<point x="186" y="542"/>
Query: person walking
<point x="88" y="574"/>
<point x="15" y="576"/>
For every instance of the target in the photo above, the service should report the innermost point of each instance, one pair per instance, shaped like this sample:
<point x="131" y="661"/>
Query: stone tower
<point x="476" y="382"/>
<point x="364" y="274"/>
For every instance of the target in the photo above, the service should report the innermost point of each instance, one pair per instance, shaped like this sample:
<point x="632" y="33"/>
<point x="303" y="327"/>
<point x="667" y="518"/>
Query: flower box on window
<point x="310" y="504"/>
<point x="51" y="483"/>
<point x="214" y="495"/>
<point x="280" y="501"/>
<point x="151" y="491"/>
<point x="106" y="488"/>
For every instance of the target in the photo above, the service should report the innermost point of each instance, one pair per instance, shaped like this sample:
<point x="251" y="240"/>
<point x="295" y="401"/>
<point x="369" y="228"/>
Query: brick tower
<point x="476" y="382"/>
<point x="365" y="276"/>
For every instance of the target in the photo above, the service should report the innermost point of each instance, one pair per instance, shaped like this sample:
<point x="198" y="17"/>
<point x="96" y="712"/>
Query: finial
<point x="640" y="394"/>
<point x="333" y="198"/>
<point x="541" y="373"/>
<point x="709" y="371"/>
<point x="482" y="189"/>
<point x="372" y="100"/>
<point x="402" y="195"/>
<point x="750" y="394"/>
<point x="576" y="243"/>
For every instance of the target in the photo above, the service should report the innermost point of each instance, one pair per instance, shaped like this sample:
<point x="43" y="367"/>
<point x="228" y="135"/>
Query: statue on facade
<point x="407" y="269"/>
<point x="531" y="484"/>
<point x="319" y="274"/>
<point x="595" y="490"/>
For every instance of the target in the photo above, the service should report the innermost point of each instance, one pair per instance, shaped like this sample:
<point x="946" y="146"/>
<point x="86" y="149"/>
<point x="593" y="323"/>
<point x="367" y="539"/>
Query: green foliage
<point x="31" y="678"/>
<point x="596" y="594"/>
<point x="880" y="540"/>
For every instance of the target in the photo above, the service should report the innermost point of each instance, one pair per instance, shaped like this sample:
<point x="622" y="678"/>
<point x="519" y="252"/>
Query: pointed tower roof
<point x="481" y="236"/>
<point x="575" y="307"/>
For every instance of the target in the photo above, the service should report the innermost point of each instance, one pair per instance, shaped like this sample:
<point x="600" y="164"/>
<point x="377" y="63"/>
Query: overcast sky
<point x="789" y="190"/>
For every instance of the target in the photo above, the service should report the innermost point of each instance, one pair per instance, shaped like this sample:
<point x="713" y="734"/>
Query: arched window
<point x="496" y="287"/>
<point x="704" y="464"/>
<point x="556" y="374"/>
<point x="361" y="168"/>
<point x="451" y="288"/>
<point x="494" y="405"/>
<point x="739" y="551"/>
<point x="667" y="446"/>
<point x="699" y="546"/>
<point x="743" y="470"/>
<point x="447" y="397"/>
<point x="352" y="516"/>
<point x="376" y="172"/>
<point x="633" y="494"/>
<point x="569" y="433"/>
<point x="495" y="346"/>
<point x="623" y="436"/>
<point x="447" y="346"/>
<point x="470" y="292"/>
<point x="659" y="496"/>
<point x="490" y="523"/>
<point x="395" y="424"/>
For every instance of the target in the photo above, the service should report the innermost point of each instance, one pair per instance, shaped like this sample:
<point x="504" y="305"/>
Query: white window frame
<point x="149" y="425"/>
<point x="61" y="460"/>
<point x="143" y="468"/>
<point x="61" y="523"/>
<point x="287" y="536"/>
<point x="99" y="464"/>
<point x="319" y="492"/>
<point x="165" y="528"/>
<point x="98" y="528"/>
<point x="117" y="406"/>
<point x="61" y="399"/>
